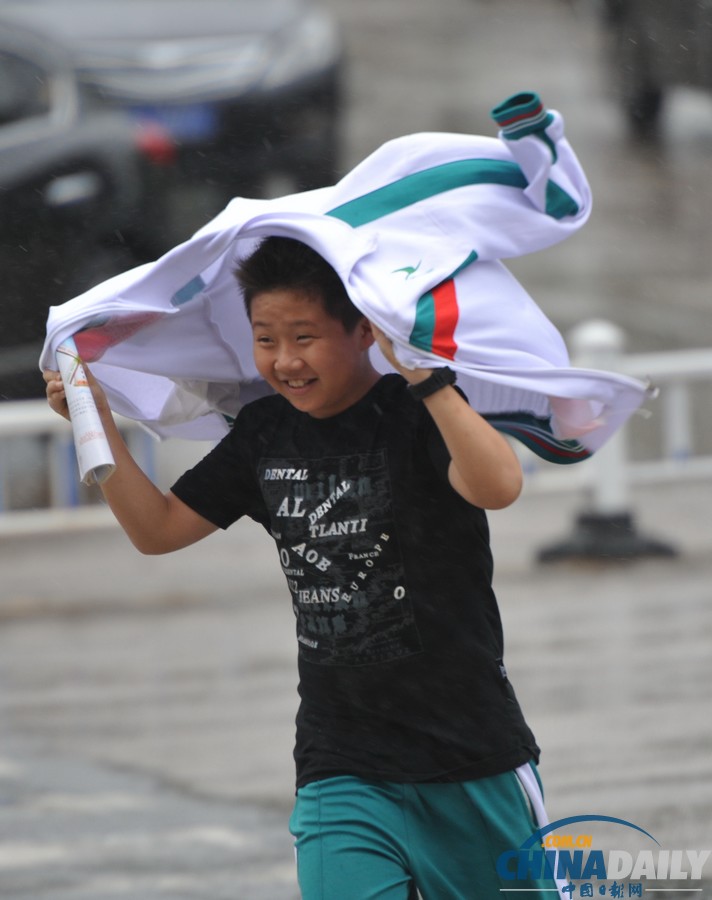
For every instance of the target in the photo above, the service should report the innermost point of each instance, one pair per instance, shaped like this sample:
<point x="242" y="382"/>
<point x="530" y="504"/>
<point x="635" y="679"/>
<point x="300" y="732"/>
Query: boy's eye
<point x="305" y="337"/>
<point x="263" y="339"/>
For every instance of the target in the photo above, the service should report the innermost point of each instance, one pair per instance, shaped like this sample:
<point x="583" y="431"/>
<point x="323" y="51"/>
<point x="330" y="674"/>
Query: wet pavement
<point x="147" y="705"/>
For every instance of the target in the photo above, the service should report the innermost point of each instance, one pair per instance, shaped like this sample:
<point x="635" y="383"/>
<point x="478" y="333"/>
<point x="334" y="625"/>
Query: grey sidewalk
<point x="146" y="705"/>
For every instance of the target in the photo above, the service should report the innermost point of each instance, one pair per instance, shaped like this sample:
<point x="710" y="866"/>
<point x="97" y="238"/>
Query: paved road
<point x="146" y="706"/>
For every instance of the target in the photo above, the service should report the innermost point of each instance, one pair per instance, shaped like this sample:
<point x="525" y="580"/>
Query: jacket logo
<point x="409" y="270"/>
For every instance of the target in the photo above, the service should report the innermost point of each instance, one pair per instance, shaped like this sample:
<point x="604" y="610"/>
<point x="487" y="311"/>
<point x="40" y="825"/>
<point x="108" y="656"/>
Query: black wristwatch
<point x="435" y="382"/>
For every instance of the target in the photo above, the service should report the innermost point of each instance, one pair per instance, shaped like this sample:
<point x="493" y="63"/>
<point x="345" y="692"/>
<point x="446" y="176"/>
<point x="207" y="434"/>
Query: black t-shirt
<point x="389" y="570"/>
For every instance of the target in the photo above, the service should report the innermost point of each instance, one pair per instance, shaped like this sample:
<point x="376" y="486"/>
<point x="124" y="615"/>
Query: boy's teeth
<point x="297" y="383"/>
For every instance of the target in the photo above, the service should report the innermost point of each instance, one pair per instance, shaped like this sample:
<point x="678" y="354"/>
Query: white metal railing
<point x="606" y="478"/>
<point x="29" y="427"/>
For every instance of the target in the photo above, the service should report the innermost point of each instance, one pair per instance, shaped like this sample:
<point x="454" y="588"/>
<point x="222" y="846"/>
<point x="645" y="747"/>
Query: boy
<point x="373" y="488"/>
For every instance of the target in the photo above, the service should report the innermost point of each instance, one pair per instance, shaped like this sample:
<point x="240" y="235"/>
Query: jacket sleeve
<point x="556" y="183"/>
<point x="522" y="192"/>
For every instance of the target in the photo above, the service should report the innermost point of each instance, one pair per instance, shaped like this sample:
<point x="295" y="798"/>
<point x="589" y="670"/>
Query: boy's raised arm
<point x="154" y="522"/>
<point x="484" y="469"/>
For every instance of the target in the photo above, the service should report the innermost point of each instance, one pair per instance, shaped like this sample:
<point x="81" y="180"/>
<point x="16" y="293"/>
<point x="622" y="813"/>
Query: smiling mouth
<point x="296" y="383"/>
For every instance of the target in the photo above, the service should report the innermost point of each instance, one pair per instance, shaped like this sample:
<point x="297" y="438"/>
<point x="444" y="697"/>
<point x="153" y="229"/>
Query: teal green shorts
<point x="362" y="840"/>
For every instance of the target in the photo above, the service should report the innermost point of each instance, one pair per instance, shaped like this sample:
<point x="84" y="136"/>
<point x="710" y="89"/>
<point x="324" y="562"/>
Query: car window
<point x="24" y="89"/>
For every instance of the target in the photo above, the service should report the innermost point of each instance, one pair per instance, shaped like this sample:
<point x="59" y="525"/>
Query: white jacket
<point x="416" y="232"/>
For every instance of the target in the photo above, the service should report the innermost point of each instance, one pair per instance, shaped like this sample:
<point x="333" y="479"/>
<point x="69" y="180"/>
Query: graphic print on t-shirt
<point x="332" y="519"/>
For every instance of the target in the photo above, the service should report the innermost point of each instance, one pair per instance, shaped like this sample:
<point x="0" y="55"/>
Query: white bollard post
<point x="606" y="530"/>
<point x="598" y="344"/>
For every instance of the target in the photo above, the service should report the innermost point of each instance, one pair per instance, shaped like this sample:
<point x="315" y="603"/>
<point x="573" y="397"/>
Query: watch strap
<point x="439" y="379"/>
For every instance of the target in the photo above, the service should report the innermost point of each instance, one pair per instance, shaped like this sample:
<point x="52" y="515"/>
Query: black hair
<point x="281" y="263"/>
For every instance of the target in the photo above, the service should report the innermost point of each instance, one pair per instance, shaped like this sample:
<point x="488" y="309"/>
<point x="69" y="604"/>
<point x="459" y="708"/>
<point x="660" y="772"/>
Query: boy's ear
<point x="367" y="336"/>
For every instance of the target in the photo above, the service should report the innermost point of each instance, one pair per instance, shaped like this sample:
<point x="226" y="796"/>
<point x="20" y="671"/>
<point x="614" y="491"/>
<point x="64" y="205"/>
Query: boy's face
<point x="307" y="356"/>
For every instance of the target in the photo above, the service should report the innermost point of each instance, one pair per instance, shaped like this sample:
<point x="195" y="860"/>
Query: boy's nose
<point x="288" y="361"/>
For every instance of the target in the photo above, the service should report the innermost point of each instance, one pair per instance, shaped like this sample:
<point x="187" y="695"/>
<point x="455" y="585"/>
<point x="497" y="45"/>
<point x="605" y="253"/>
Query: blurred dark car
<point x="250" y="90"/>
<point x="70" y="181"/>
<point x="656" y="45"/>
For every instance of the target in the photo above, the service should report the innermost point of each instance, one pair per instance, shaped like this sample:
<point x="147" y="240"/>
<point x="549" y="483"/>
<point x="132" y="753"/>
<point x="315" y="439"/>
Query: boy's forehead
<point x="287" y="320"/>
<point x="287" y="307"/>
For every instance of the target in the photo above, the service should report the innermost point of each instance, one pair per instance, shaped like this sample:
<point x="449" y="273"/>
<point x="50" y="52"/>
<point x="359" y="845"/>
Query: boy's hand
<point x="57" y="398"/>
<point x="412" y="376"/>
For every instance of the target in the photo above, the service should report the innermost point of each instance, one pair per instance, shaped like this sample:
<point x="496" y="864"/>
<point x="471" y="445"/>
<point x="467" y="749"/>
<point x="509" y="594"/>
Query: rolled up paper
<point x="96" y="462"/>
